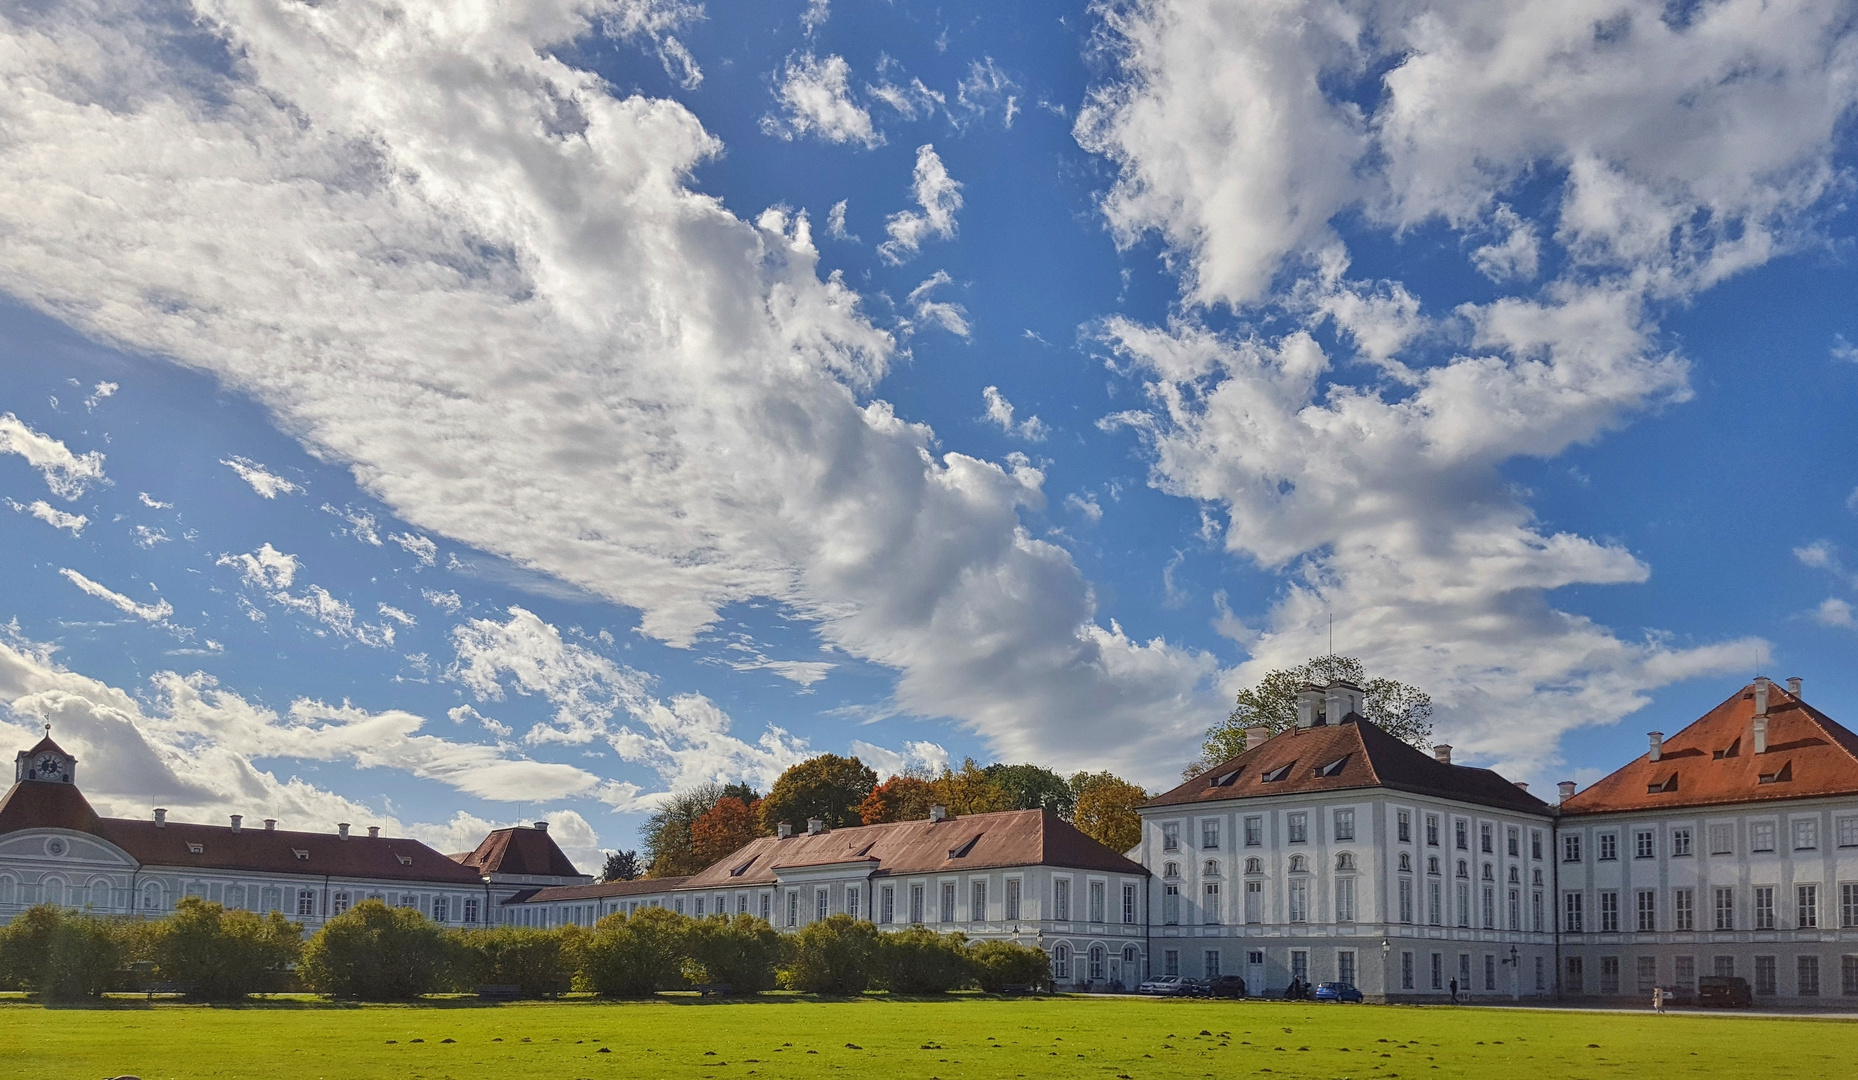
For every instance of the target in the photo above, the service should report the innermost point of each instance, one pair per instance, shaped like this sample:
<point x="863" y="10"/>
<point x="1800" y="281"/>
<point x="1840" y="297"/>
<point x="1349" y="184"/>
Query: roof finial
<point x="48" y="729"/>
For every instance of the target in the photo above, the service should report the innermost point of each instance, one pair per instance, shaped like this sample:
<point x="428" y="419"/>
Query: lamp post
<point x="1386" y="973"/>
<point x="1516" y="975"/>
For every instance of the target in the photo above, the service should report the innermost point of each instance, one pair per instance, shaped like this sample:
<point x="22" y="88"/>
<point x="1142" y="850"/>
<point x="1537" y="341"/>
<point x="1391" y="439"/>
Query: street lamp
<point x="1386" y="974"/>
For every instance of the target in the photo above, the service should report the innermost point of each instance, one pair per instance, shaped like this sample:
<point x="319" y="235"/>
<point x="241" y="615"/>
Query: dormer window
<point x="743" y="869"/>
<point x="1227" y="779"/>
<point x="1334" y="768"/>
<point x="961" y="851"/>
<point x="301" y="854"/>
<point x="1733" y="749"/>
<point x="196" y="849"/>
<point x="1781" y="776"/>
<point x="406" y="860"/>
<point x="1669" y="783"/>
<point x="1277" y="774"/>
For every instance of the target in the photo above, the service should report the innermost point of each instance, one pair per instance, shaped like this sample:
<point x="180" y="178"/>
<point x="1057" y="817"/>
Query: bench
<point x="499" y="993"/>
<point x="706" y="989"/>
<point x="169" y="988"/>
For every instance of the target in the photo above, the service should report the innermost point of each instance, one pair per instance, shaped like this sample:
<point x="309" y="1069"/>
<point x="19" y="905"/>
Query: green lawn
<point x="896" y="1040"/>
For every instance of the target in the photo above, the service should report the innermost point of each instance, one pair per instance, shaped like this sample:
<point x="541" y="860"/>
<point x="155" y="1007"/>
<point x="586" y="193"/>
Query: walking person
<point x="1658" y="999"/>
<point x="1454" y="991"/>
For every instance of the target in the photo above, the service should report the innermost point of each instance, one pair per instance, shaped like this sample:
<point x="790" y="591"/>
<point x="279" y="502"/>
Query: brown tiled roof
<point x="1341" y="757"/>
<point x="47" y="744"/>
<point x="34" y="804"/>
<point x="1809" y="755"/>
<point x="605" y="890"/>
<point x="973" y="842"/>
<point x="519" y="850"/>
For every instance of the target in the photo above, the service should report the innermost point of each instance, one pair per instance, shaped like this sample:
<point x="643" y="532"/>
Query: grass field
<point x="903" y="1040"/>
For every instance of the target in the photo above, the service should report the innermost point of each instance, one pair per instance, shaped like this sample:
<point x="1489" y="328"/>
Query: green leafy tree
<point x="742" y="953"/>
<point x="1034" y="787"/>
<point x="621" y="866"/>
<point x="744" y="792"/>
<point x="638" y="955"/>
<point x="377" y="953"/>
<point x="1106" y="809"/>
<point x="920" y="961"/>
<point x="970" y="791"/>
<point x="61" y="955"/>
<point x="222" y="955"/>
<point x="542" y="962"/>
<point x="1000" y="964"/>
<point x="1402" y="710"/>
<point x="836" y="956"/>
<point x="827" y="787"/>
<point x="669" y="848"/>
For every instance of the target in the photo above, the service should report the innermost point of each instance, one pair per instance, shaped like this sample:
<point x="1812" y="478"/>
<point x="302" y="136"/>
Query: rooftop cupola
<point x="1341" y="700"/>
<point x="46" y="762"/>
<point x="1309" y="705"/>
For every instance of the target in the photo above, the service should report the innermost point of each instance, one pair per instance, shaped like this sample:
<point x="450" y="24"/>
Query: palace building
<point x="1331" y="851"/>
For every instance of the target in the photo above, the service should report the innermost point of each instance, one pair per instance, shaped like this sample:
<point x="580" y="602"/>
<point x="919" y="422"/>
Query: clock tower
<point x="47" y="763"/>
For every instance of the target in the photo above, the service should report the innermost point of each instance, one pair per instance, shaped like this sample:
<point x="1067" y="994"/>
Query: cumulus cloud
<point x="66" y="473"/>
<point x="267" y="568"/>
<point x="99" y="392"/>
<point x="420" y="547"/>
<point x="815" y="99"/>
<point x="916" y="758"/>
<point x="263" y="481"/>
<point x="51" y="515"/>
<point x="938" y="194"/>
<point x="1000" y="413"/>
<point x="1834" y="612"/>
<point x="154" y="613"/>
<point x="932" y="312"/>
<point x="835" y="222"/>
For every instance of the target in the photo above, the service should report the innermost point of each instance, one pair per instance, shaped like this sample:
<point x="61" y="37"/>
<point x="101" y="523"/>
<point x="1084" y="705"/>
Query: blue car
<point x="1338" y="992"/>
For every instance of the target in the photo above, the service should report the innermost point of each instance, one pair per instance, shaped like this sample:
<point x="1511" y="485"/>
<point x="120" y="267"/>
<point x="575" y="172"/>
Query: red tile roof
<point x="34" y="804"/>
<point x="519" y="850"/>
<point x="605" y="890"/>
<point x="973" y="842"/>
<point x="1809" y="755"/>
<point x="1343" y="757"/>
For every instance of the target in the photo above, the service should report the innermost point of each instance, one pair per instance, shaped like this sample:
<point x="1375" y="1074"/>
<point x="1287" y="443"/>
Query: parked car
<point x="1164" y="986"/>
<point x="1724" y="992"/>
<point x="1677" y="995"/>
<point x="1338" y="992"/>
<point x="1196" y="988"/>
<point x="1226" y="986"/>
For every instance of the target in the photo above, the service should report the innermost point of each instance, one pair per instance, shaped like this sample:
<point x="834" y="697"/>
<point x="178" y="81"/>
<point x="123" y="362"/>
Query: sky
<point x="443" y="415"/>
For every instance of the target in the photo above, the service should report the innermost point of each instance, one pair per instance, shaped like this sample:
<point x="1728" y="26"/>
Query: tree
<point x="900" y="798"/>
<point x="920" y="961"/>
<point x="1401" y="710"/>
<point x="724" y="829"/>
<point x="541" y="962"/>
<point x="621" y="866"/>
<point x="1034" y="787"/>
<point x="377" y="953"/>
<point x="970" y="791"/>
<point x="668" y="848"/>
<point x="827" y="787"/>
<point x="638" y="955"/>
<point x="835" y="956"/>
<point x="1106" y="809"/>
<point x="222" y="955"/>
<point x="1000" y="964"/>
<point x="745" y="792"/>
<point x="61" y="955"/>
<point x="742" y="953"/>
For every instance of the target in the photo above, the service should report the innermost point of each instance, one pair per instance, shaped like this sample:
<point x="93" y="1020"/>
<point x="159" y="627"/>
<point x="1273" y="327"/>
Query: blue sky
<point x="532" y="410"/>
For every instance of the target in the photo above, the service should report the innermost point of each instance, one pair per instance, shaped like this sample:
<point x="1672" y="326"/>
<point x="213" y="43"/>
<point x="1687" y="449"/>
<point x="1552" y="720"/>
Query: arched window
<point x="1464" y="869"/>
<point x="9" y="890"/>
<point x="1211" y="869"/>
<point x="1172" y="869"/>
<point x="1432" y="864"/>
<point x="52" y="891"/>
<point x="1516" y="876"/>
<point x="1096" y="963"/>
<point x="1299" y="864"/>
<point x="1061" y="960"/>
<point x="1489" y="873"/>
<point x="100" y="898"/>
<point x="1130" y="954"/>
<point x="151" y="897"/>
<point x="1254" y="865"/>
<point x="1538" y="875"/>
<point x="1406" y="861"/>
<point x="1345" y="861"/>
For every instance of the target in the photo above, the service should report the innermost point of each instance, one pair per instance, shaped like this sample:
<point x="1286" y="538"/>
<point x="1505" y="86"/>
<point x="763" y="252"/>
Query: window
<point x="1061" y="961"/>
<point x="1170" y="961"/>
<point x="1642" y="844"/>
<point x="1764" y="975"/>
<point x="1406" y="971"/>
<point x="1516" y="909"/>
<point x="1061" y="900"/>
<point x="1686" y="973"/>
<point x="1571" y="847"/>
<point x="793" y="907"/>
<point x="1345" y="861"/>
<point x="1535" y="911"/>
<point x="1345" y="902"/>
<point x="1435" y="909"/>
<point x="1438" y="971"/>
<point x="1254" y="865"/>
<point x="441" y="909"/>
<point x="1300" y="963"/>
<point x="1299" y="864"/>
<point x="1406" y="900"/>
<point x="1848" y="906"/>
<point x="1299" y="827"/>
<point x="1609" y="974"/>
<point x="1575" y="978"/>
<point x="1490" y="908"/>
<point x="1211" y="869"/>
<point x="1648" y="974"/>
<point x="1128" y="905"/>
<point x="1490" y="873"/>
<point x="1680" y="842"/>
<point x="886" y="904"/>
<point x="1485" y="843"/>
<point x="1464" y="971"/>
<point x="1096" y="901"/>
<point x="822" y="905"/>
<point x="1432" y="830"/>
<point x="1808" y="970"/>
<point x="1764" y="907"/>
<point x="1254" y="901"/>
<point x="1535" y="843"/>
<point x="1462" y="832"/>
<point x="1722" y="840"/>
<point x="699" y="907"/>
<point x="1609" y="911"/>
<point x="1515" y="836"/>
<point x="852" y="896"/>
<point x="1725" y="909"/>
<point x="977" y="902"/>
<point x="1464" y="869"/>
<point x="1170" y="836"/>
<point x="1848" y="832"/>
<point x="1344" y="825"/>
<point x="1299" y="901"/>
<point x="1210" y="964"/>
<point x="1172" y="869"/>
<point x="1464" y="904"/>
<point x="1608" y="845"/>
<point x="1541" y="973"/>
<point x="1761" y="836"/>
<point x="1403" y="824"/>
<point x="1171" y="905"/>
<point x="1345" y="966"/>
<point x="1432" y="864"/>
<point x="338" y="903"/>
<point x="1848" y="975"/>
<point x="1806" y="906"/>
<point x="1012" y="899"/>
<point x="1806" y="834"/>
<point x="1571" y="912"/>
<point x="1684" y="909"/>
<point x="1647" y="911"/>
<point x="1096" y="963"/>
<point x="306" y="902"/>
<point x="948" y="901"/>
<point x="1490" y="971"/>
<point x="1406" y="863"/>
<point x="1209" y="834"/>
<point x="1516" y="875"/>
<point x="1254" y="832"/>
<point x="767" y="901"/>
<point x="470" y="911"/>
<point x="916" y="903"/>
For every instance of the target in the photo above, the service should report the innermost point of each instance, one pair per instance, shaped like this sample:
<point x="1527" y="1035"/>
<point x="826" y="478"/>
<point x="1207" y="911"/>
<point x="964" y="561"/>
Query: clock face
<point x="49" y="767"/>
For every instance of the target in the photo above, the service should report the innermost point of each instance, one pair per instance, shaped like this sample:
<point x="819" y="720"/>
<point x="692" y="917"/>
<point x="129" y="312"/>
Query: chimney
<point x="783" y="830"/>
<point x="270" y="824"/>
<point x="1761" y="734"/>
<point x="1309" y="705"/>
<point x="238" y="820"/>
<point x="1343" y="698"/>
<point x="161" y="818"/>
<point x="1566" y="788"/>
<point x="1761" y="695"/>
<point x="1657" y="741"/>
<point x="341" y="829"/>
<point x="541" y="826"/>
<point x="938" y="812"/>
<point x="374" y="832"/>
<point x="1521" y="785"/>
<point x="1256" y="736"/>
<point x="1793" y="686"/>
<point x="1442" y="753"/>
<point x="814" y="826"/>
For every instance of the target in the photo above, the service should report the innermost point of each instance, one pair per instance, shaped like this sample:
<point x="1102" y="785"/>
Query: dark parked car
<point x="1724" y="992"/>
<point x="1226" y="986"/>
<point x="1338" y="992"/>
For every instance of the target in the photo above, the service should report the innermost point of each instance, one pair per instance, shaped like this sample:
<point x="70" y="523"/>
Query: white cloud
<point x="1834" y="612"/>
<point x="933" y="312"/>
<point x="938" y="194"/>
<point x="102" y="390"/>
<point x="1844" y="350"/>
<point x="447" y="601"/>
<point x="1516" y="255"/>
<point x="156" y="612"/>
<point x="916" y="758"/>
<point x="52" y="516"/>
<point x="153" y="503"/>
<point x="263" y="481"/>
<point x="815" y="15"/>
<point x="1000" y="413"/>
<point x="67" y="474"/>
<point x="273" y="572"/>
<point x="835" y="222"/>
<point x="1086" y="505"/>
<point x="986" y="90"/>
<point x="909" y="101"/>
<point x="267" y="568"/>
<point x="360" y="522"/>
<point x="815" y="99"/>
<point x="146" y="537"/>
<point x="420" y="547"/>
<point x="388" y="611"/>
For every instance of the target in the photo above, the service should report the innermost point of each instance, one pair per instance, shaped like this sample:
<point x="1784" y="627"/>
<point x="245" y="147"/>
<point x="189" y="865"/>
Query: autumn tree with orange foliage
<point x="900" y="798"/>
<point x="724" y="829"/>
